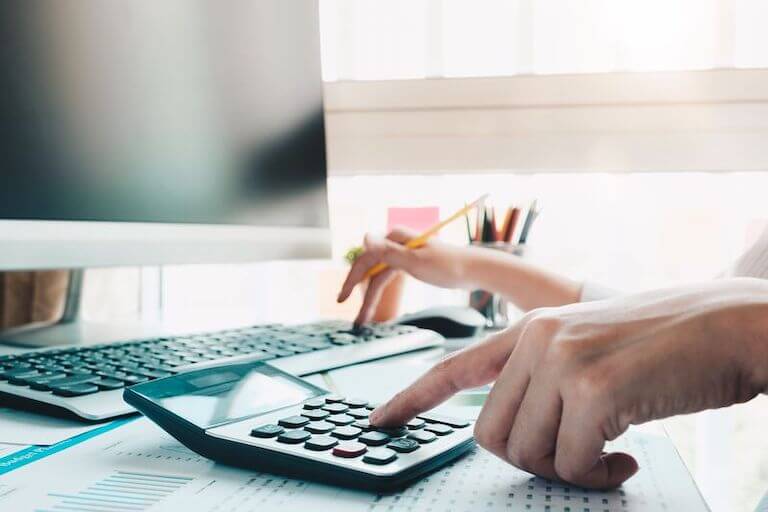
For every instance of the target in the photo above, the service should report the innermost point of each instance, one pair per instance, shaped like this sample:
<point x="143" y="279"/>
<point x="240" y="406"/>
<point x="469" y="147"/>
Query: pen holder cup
<point x="492" y="306"/>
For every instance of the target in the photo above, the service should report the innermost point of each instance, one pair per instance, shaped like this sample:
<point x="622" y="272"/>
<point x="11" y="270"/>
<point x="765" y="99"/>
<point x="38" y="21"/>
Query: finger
<point x="356" y="274"/>
<point x="372" y="296"/>
<point x="533" y="438"/>
<point x="377" y="250"/>
<point x="580" y="458"/>
<point x="402" y="235"/>
<point x="500" y="409"/>
<point x="474" y="366"/>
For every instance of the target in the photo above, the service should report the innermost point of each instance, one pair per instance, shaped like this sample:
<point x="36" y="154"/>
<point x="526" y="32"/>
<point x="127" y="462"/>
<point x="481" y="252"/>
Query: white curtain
<point x="401" y="39"/>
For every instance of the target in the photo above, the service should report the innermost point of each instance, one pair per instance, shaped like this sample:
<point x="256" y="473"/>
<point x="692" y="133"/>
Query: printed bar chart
<point x="125" y="491"/>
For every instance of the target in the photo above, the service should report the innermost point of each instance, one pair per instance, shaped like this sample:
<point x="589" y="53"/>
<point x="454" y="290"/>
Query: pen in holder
<point x="492" y="306"/>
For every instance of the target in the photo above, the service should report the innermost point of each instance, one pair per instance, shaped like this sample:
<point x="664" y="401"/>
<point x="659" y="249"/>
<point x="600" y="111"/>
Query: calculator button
<point x="268" y="430"/>
<point x="315" y="414"/>
<point x="356" y="403"/>
<point x="320" y="443"/>
<point x="403" y="445"/>
<point x="374" y="438"/>
<point x="347" y="432"/>
<point x="293" y="437"/>
<point x="439" y="429"/>
<point x="335" y="408"/>
<point x="415" y="424"/>
<point x="439" y="418"/>
<point x="380" y="456"/>
<point x="350" y="450"/>
<point x="359" y="413"/>
<point x="333" y="399"/>
<point x="363" y="424"/>
<point x="393" y="432"/>
<point x="422" y="436"/>
<point x="320" y="427"/>
<point x="293" y="422"/>
<point x="340" y="419"/>
<point x="315" y="403"/>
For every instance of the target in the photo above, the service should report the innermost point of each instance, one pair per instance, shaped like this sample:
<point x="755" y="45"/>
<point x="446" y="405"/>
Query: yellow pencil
<point x="419" y="241"/>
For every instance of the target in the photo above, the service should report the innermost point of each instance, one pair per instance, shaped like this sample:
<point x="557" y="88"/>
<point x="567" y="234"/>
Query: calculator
<point x="256" y="416"/>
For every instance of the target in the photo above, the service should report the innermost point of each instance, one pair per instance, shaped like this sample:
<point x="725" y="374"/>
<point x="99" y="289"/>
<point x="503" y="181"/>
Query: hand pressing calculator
<point x="256" y="416"/>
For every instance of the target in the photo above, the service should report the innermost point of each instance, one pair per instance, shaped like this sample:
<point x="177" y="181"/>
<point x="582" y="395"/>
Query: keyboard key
<point x="415" y="424"/>
<point x="41" y="379"/>
<point x="335" y="408"/>
<point x="320" y="427"/>
<point x="320" y="443"/>
<point x="315" y="414"/>
<point x="332" y="399"/>
<point x="132" y="379"/>
<point x="422" y="436"/>
<point x="439" y="418"/>
<point x="356" y="403"/>
<point x="315" y="403"/>
<point x="71" y="381"/>
<point x="374" y="438"/>
<point x="75" y="390"/>
<point x="340" y="419"/>
<point x="18" y="371"/>
<point x="152" y="374"/>
<point x="350" y="450"/>
<point x="359" y="413"/>
<point x="293" y="436"/>
<point x="109" y="384"/>
<point x="25" y="378"/>
<point x="293" y="422"/>
<point x="347" y="432"/>
<point x="438" y="428"/>
<point x="380" y="456"/>
<point x="268" y="430"/>
<point x="403" y="445"/>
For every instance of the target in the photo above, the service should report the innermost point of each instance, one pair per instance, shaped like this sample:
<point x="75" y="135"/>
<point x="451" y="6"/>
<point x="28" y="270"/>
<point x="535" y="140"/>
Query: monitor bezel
<point x="39" y="245"/>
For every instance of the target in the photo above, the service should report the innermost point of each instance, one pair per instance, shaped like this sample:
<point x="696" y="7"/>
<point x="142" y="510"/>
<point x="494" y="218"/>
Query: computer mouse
<point x="449" y="321"/>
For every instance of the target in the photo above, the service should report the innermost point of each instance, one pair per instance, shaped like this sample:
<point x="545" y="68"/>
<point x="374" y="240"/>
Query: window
<point x="406" y="39"/>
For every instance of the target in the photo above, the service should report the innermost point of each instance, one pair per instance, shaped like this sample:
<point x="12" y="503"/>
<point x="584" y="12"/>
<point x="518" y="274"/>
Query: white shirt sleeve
<point x="592" y="291"/>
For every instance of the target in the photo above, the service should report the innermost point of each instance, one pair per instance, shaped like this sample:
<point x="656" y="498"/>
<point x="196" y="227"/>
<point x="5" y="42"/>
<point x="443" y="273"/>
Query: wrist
<point x="481" y="268"/>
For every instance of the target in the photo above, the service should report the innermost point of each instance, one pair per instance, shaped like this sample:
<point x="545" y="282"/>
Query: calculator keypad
<point x="380" y="456"/>
<point x="320" y="443"/>
<point x="350" y="450"/>
<point x="293" y="436"/>
<point x="336" y="430"/>
<point x="315" y="414"/>
<point x="340" y="419"/>
<point x="319" y="427"/>
<point x="346" y="432"/>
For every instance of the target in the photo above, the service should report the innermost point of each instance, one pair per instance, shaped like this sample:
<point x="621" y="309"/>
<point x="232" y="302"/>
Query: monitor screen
<point x="172" y="111"/>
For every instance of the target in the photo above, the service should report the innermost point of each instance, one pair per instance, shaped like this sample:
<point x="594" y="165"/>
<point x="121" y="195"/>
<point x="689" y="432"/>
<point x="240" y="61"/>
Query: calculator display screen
<point x="220" y="395"/>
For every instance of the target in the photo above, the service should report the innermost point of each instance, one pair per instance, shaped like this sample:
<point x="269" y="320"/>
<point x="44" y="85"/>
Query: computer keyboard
<point x="88" y="380"/>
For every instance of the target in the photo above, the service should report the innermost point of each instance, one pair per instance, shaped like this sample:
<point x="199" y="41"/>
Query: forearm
<point x="742" y="324"/>
<point x="525" y="285"/>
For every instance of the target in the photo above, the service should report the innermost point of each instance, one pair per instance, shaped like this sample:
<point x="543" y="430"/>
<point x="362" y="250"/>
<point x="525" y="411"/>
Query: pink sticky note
<point x="417" y="219"/>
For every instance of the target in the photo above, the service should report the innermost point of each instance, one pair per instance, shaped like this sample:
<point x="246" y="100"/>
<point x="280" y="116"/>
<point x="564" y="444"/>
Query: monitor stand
<point x="71" y="328"/>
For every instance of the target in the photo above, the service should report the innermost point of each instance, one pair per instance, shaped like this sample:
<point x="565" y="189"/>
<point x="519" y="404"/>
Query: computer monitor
<point x="149" y="132"/>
